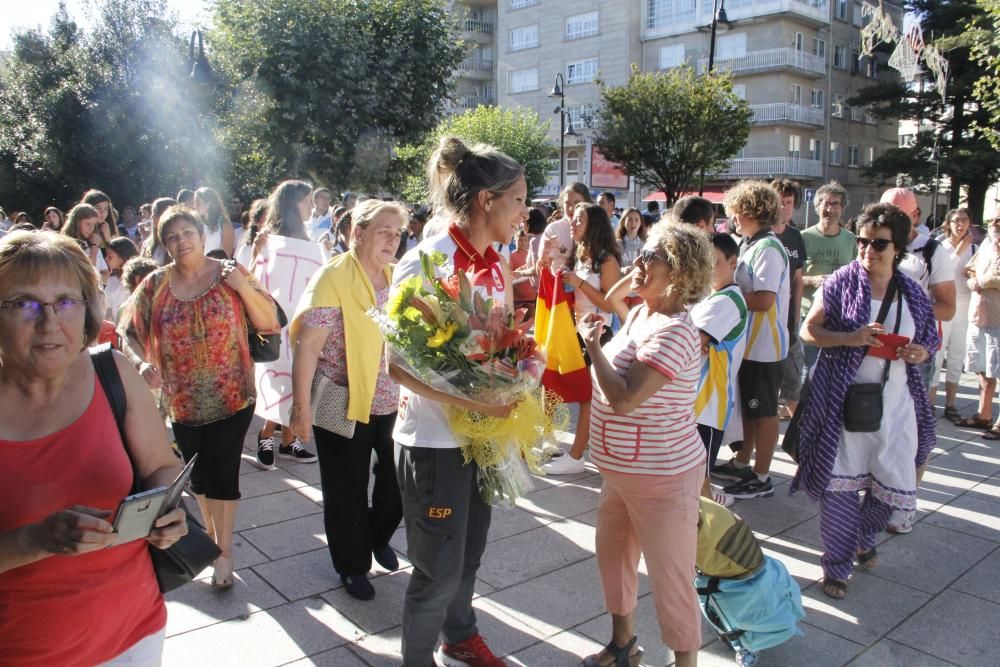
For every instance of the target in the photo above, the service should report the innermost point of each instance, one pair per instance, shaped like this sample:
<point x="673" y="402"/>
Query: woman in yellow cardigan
<point x="332" y="336"/>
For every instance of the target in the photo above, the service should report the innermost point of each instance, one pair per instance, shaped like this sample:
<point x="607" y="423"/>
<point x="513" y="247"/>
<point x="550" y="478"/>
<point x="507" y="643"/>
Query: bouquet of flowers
<point x="455" y="340"/>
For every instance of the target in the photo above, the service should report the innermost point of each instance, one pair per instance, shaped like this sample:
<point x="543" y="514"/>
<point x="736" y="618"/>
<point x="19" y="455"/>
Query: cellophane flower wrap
<point x="448" y="336"/>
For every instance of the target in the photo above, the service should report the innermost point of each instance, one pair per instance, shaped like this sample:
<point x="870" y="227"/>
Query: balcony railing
<point x="773" y="166"/>
<point x="664" y="22"/>
<point x="475" y="25"/>
<point x="476" y="65"/>
<point x="760" y="61"/>
<point x="858" y="114"/>
<point x="469" y="102"/>
<point x="786" y="112"/>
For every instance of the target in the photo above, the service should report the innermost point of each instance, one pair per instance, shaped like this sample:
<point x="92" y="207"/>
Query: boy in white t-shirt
<point x="763" y="274"/>
<point x="721" y="320"/>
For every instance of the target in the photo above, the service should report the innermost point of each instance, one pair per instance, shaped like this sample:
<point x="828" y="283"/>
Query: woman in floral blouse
<point x="185" y="329"/>
<point x="333" y="336"/>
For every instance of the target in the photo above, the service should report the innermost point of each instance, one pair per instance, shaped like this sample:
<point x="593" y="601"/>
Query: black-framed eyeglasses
<point x="647" y="256"/>
<point x="66" y="308"/>
<point x="878" y="245"/>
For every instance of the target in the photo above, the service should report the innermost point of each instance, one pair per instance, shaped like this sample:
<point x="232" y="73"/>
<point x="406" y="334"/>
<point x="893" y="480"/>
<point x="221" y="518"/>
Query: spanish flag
<point x="565" y="371"/>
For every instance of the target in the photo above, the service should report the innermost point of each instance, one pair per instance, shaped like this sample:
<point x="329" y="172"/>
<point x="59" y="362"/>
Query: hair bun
<point x="451" y="151"/>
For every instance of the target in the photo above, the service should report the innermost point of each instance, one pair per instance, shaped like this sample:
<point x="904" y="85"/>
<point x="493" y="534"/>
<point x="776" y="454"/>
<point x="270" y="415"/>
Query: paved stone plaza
<point x="934" y="598"/>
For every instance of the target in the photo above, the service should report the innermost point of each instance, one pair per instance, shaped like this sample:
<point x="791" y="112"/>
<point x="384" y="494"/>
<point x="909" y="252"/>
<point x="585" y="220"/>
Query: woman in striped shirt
<point x="644" y="440"/>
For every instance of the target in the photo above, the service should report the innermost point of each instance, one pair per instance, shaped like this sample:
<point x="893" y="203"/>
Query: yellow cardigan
<point x="342" y="283"/>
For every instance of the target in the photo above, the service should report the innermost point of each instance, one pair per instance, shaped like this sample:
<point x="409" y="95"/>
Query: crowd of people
<point x="699" y="332"/>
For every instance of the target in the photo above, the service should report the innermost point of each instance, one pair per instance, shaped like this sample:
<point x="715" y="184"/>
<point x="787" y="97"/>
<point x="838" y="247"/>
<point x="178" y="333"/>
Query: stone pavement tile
<point x="955" y="627"/>
<point x="816" y="648"/>
<point x="559" y="502"/>
<point x="589" y="518"/>
<point x="507" y="521"/>
<point x="377" y="615"/>
<point x="647" y="629"/>
<point x="244" y="556"/>
<point x="338" y="657"/>
<point x="381" y="650"/>
<point x="299" y="576"/>
<point x="872" y="608"/>
<point x="264" y="482"/>
<point x="971" y="515"/>
<point x="988" y="490"/>
<point x="888" y="653"/>
<point x="276" y="507"/>
<point x="561" y="599"/>
<point x="801" y="561"/>
<point x="288" y="538"/>
<point x="527" y="555"/>
<point x="272" y="637"/>
<point x="545" y="481"/>
<point x="505" y="630"/>
<point x="246" y="465"/>
<point x="565" y="648"/>
<point x="976" y="458"/>
<point x="775" y="515"/>
<point x="982" y="581"/>
<point x="307" y="472"/>
<point x="929" y="558"/>
<point x="198" y="605"/>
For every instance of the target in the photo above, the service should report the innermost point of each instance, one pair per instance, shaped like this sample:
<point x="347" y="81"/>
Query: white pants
<point x="147" y="652"/>
<point x="953" y="343"/>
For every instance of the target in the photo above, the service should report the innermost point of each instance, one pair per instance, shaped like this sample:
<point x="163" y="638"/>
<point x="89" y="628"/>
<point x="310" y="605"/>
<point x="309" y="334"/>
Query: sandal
<point x="975" y="421"/>
<point x="951" y="413"/>
<point x="621" y="656"/>
<point x="222" y="578"/>
<point x="834" y="588"/>
<point x="992" y="433"/>
<point x="868" y="559"/>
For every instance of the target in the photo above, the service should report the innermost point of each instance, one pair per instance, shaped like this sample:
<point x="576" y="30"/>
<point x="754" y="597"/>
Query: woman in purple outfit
<point x="835" y="464"/>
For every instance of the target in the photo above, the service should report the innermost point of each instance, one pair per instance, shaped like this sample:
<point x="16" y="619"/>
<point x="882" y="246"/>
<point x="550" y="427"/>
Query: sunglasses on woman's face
<point x="878" y="245"/>
<point x="647" y="256"/>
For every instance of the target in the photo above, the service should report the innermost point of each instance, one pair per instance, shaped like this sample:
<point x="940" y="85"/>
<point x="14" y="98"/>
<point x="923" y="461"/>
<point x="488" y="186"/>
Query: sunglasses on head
<point x="647" y="256"/>
<point x="878" y="245"/>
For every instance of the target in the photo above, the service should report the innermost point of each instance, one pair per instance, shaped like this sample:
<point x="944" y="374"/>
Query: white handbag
<point x="329" y="407"/>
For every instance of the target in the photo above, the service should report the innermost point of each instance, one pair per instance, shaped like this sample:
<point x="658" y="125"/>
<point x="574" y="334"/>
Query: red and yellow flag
<point x="565" y="371"/>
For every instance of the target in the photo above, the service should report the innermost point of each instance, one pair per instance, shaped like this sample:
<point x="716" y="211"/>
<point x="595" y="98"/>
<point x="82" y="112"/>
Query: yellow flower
<point x="443" y="335"/>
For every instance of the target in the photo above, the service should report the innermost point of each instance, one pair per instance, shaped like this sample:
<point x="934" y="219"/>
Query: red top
<point x="485" y="267"/>
<point x="73" y="610"/>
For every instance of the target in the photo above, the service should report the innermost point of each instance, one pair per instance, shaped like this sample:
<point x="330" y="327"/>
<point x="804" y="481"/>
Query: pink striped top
<point x="660" y="437"/>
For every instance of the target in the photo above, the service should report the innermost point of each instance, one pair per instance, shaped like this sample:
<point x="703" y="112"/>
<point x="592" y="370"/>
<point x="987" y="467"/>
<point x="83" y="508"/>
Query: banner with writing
<point x="284" y="267"/>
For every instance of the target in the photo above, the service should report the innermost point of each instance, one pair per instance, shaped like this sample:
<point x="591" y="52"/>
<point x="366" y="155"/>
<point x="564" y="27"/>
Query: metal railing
<point x="658" y="21"/>
<point x="769" y="59"/>
<point x="858" y="114"/>
<point x="778" y="112"/>
<point x="470" y="102"/>
<point x="476" y="65"/>
<point x="773" y="166"/>
<point x="475" y="25"/>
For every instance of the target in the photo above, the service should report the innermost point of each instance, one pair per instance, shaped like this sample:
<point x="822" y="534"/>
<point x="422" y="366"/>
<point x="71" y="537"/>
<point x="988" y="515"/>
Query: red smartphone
<point x="890" y="343"/>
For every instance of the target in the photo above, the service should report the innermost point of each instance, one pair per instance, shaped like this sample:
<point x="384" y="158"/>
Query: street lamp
<point x="935" y="157"/>
<point x="718" y="17"/>
<point x="557" y="91"/>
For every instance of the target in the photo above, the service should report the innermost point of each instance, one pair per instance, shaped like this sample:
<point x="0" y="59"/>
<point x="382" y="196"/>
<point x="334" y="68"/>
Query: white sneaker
<point x="564" y="465"/>
<point x="901" y="522"/>
<point x="722" y="498"/>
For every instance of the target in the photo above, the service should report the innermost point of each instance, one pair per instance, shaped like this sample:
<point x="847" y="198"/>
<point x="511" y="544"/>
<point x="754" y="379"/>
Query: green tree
<point x="112" y="108"/>
<point x="666" y="128"/>
<point x="985" y="34"/>
<point x="966" y="156"/>
<point x="520" y="133"/>
<point x="325" y="88"/>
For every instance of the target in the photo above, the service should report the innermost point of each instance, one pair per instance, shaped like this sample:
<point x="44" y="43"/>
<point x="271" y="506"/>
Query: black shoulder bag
<point x="265" y="347"/>
<point x="180" y="563"/>
<point x="863" y="402"/>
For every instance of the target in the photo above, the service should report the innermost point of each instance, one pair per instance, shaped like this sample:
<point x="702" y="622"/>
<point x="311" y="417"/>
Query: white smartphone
<point x="136" y="513"/>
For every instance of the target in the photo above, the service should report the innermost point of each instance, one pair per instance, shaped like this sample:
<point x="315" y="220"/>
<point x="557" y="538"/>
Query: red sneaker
<point x="473" y="652"/>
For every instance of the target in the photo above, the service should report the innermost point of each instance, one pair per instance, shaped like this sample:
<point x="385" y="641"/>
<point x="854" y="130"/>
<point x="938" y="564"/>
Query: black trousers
<point x="216" y="473"/>
<point x="352" y="528"/>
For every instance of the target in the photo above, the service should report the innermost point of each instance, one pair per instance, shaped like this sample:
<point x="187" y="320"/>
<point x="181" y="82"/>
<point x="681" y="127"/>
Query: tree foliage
<point x="520" y="133"/>
<point x="966" y="156"/>
<point x="985" y="33"/>
<point x="666" y="128"/>
<point x="111" y="108"/>
<point x="325" y="88"/>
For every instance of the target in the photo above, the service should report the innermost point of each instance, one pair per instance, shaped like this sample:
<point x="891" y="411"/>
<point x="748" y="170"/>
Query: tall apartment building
<point x="475" y="78"/>
<point x="795" y="61"/>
